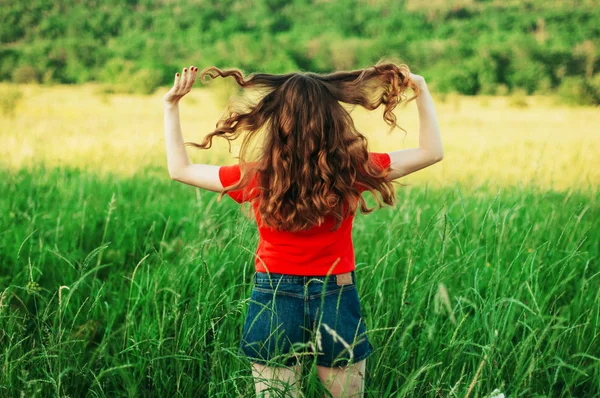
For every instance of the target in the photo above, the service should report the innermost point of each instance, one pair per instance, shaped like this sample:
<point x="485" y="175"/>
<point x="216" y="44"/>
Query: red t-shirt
<point x="311" y="252"/>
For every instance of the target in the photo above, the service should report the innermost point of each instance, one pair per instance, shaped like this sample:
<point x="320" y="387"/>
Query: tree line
<point x="476" y="47"/>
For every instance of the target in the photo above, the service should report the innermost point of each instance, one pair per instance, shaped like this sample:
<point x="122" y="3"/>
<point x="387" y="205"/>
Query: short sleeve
<point x="229" y="175"/>
<point x="380" y="160"/>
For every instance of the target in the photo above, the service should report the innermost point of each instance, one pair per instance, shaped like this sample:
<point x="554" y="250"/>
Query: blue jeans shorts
<point x="291" y="317"/>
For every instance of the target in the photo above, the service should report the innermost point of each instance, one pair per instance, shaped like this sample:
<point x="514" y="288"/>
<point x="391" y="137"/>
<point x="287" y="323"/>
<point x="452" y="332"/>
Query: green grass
<point x="144" y="285"/>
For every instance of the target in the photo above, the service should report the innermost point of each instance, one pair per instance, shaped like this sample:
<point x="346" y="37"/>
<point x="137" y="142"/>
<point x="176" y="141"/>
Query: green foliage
<point x="577" y="90"/>
<point x="145" y="81"/>
<point x="10" y="97"/>
<point x="486" y="66"/>
<point x="502" y="89"/>
<point x="594" y="83"/>
<point x="468" y="47"/>
<point x="526" y="74"/>
<point x="25" y="74"/>
<point x="518" y="98"/>
<point x="544" y="86"/>
<point x="124" y="77"/>
<point x="458" y="78"/>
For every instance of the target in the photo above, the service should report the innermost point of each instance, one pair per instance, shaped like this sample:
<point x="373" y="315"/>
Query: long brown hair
<point x="312" y="154"/>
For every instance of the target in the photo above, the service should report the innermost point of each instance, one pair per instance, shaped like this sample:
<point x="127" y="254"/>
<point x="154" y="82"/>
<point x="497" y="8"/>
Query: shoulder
<point x="231" y="175"/>
<point x="381" y="159"/>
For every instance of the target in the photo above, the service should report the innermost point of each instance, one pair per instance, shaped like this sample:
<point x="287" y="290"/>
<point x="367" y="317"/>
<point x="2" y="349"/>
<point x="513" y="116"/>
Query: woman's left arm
<point x="180" y="169"/>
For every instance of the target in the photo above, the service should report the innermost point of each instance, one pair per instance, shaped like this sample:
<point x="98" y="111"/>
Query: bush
<point x="452" y="78"/>
<point x="124" y="77"/>
<point x="145" y="81"/>
<point x="488" y="89"/>
<point x="9" y="59"/>
<point x="485" y="65"/>
<point x="502" y="89"/>
<point x="25" y="74"/>
<point x="576" y="90"/>
<point x="10" y="97"/>
<point x="544" y="86"/>
<point x="518" y="98"/>
<point x="526" y="74"/>
<point x="595" y="84"/>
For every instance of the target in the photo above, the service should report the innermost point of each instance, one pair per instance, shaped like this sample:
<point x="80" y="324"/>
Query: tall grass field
<point x="116" y="281"/>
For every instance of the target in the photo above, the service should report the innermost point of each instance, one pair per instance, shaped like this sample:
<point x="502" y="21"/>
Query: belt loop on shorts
<point x="344" y="279"/>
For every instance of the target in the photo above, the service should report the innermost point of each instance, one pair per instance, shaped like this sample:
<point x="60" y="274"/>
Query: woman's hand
<point x="418" y="80"/>
<point x="182" y="85"/>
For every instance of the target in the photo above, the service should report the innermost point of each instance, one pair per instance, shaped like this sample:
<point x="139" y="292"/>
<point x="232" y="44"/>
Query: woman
<point x="305" y="187"/>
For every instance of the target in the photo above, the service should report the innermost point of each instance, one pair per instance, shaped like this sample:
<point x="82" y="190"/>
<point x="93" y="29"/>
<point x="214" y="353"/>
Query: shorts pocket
<point x="273" y="325"/>
<point x="318" y="289"/>
<point x="340" y="328"/>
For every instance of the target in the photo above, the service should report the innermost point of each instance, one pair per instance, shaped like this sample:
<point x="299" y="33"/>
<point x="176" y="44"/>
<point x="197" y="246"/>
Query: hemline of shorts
<point x="318" y="362"/>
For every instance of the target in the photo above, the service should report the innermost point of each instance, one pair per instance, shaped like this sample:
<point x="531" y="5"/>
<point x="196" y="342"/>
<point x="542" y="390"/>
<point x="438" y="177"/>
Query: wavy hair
<point x="312" y="157"/>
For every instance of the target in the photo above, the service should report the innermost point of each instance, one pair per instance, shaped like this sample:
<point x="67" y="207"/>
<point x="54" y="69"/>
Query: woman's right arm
<point x="430" y="150"/>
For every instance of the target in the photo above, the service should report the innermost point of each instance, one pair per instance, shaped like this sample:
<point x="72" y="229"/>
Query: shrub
<point x="576" y="90"/>
<point x="485" y="65"/>
<point x="518" y="98"/>
<point x="544" y="86"/>
<point x="145" y="81"/>
<point x="124" y="77"/>
<point x="488" y="89"/>
<point x="461" y="80"/>
<point x="526" y="74"/>
<point x="595" y="84"/>
<point x="10" y="97"/>
<point x="25" y="74"/>
<point x="502" y="89"/>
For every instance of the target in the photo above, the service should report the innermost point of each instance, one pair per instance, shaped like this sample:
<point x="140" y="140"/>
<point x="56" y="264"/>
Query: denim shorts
<point x="291" y="317"/>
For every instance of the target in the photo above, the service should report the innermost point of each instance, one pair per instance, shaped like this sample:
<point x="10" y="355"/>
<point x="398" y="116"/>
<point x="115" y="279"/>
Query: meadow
<point x="117" y="281"/>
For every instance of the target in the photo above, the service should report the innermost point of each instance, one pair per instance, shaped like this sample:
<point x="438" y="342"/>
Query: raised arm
<point x="430" y="148"/>
<point x="180" y="169"/>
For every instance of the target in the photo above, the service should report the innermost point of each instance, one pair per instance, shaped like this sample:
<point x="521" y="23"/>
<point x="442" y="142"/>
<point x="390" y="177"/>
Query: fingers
<point x="188" y="78"/>
<point x="193" y="75"/>
<point x="177" y="81"/>
<point x="183" y="82"/>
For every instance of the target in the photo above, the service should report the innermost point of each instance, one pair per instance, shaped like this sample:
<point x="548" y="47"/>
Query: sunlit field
<point x="486" y="140"/>
<point x="117" y="281"/>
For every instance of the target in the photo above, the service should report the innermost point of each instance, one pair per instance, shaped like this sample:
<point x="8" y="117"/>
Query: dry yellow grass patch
<point x="485" y="140"/>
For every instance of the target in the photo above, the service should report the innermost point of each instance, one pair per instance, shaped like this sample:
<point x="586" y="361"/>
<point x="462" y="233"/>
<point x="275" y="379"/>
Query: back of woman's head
<point x="312" y="158"/>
